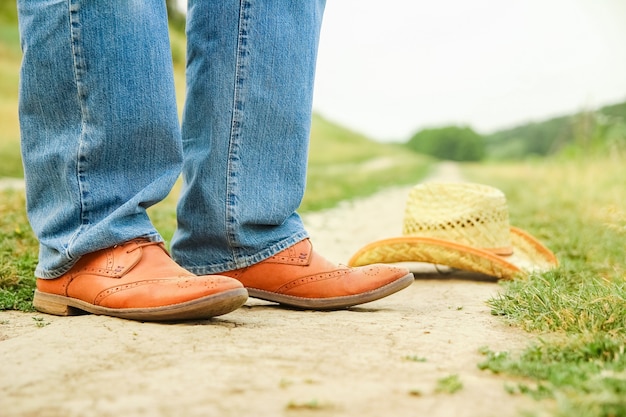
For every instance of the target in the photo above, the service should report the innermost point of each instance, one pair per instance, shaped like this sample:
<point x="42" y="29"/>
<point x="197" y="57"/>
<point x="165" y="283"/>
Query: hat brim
<point x="528" y="255"/>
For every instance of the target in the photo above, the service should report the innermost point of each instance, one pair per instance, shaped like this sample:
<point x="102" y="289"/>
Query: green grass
<point x="344" y="165"/>
<point x="18" y="253"/>
<point x="449" y="384"/>
<point x="10" y="56"/>
<point x="576" y="206"/>
<point x="560" y="301"/>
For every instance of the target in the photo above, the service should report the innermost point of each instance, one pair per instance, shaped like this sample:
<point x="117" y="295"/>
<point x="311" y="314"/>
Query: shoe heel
<point x="53" y="304"/>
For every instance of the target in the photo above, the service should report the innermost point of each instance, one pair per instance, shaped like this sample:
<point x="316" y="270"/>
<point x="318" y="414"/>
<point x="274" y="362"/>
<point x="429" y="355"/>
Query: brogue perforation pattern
<point x="290" y="257"/>
<point x="110" y="259"/>
<point x="290" y="260"/>
<point x="312" y="278"/>
<point x="374" y="271"/>
<point x="118" y="272"/>
<point x="109" y="291"/>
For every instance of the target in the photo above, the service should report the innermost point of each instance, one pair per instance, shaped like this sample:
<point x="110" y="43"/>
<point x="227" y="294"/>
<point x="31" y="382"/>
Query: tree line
<point x="586" y="131"/>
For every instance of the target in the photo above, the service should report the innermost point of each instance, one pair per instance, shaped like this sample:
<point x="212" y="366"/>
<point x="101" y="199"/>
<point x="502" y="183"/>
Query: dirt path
<point x="11" y="183"/>
<point x="379" y="359"/>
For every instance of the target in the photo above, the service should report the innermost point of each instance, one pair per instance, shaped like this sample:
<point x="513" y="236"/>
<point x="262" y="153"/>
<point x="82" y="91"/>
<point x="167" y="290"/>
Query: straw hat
<point x="464" y="226"/>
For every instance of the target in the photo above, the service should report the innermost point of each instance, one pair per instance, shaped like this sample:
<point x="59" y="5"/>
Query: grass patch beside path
<point x="18" y="253"/>
<point x="577" y="208"/>
<point x="345" y="165"/>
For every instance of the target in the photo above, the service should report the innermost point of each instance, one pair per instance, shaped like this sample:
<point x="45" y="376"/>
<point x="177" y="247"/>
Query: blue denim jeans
<point x="101" y="140"/>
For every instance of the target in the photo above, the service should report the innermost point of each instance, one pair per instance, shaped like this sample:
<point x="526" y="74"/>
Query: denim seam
<point x="79" y="67"/>
<point x="236" y="124"/>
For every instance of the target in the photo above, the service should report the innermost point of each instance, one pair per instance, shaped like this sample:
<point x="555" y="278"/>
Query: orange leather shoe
<point x="137" y="280"/>
<point x="300" y="277"/>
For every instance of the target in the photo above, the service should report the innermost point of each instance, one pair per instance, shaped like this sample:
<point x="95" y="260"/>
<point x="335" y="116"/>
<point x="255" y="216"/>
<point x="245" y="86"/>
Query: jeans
<point x="101" y="140"/>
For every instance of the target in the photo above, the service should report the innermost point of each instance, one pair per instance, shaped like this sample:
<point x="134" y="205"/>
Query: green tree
<point x="451" y="142"/>
<point x="585" y="131"/>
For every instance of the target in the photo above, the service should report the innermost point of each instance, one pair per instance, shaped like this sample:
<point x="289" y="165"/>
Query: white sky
<point x="389" y="68"/>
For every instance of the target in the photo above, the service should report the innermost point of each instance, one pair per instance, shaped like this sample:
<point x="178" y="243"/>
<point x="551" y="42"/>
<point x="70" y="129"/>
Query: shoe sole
<point x="334" y="303"/>
<point x="198" y="309"/>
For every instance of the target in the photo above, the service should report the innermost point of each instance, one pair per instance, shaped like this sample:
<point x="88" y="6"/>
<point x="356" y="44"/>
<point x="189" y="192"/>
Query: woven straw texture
<point x="529" y="254"/>
<point x="463" y="226"/>
<point x="475" y="215"/>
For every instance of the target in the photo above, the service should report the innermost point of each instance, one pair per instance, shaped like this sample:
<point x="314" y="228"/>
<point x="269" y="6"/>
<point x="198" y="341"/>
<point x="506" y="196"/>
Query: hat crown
<point x="474" y="215"/>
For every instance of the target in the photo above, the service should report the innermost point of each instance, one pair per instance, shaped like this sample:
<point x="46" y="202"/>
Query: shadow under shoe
<point x="299" y="277"/>
<point x="137" y="280"/>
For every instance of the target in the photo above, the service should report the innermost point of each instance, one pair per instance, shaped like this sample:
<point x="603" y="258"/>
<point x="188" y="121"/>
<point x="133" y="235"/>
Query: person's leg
<point x="246" y="129"/>
<point x="100" y="133"/>
<point x="100" y="144"/>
